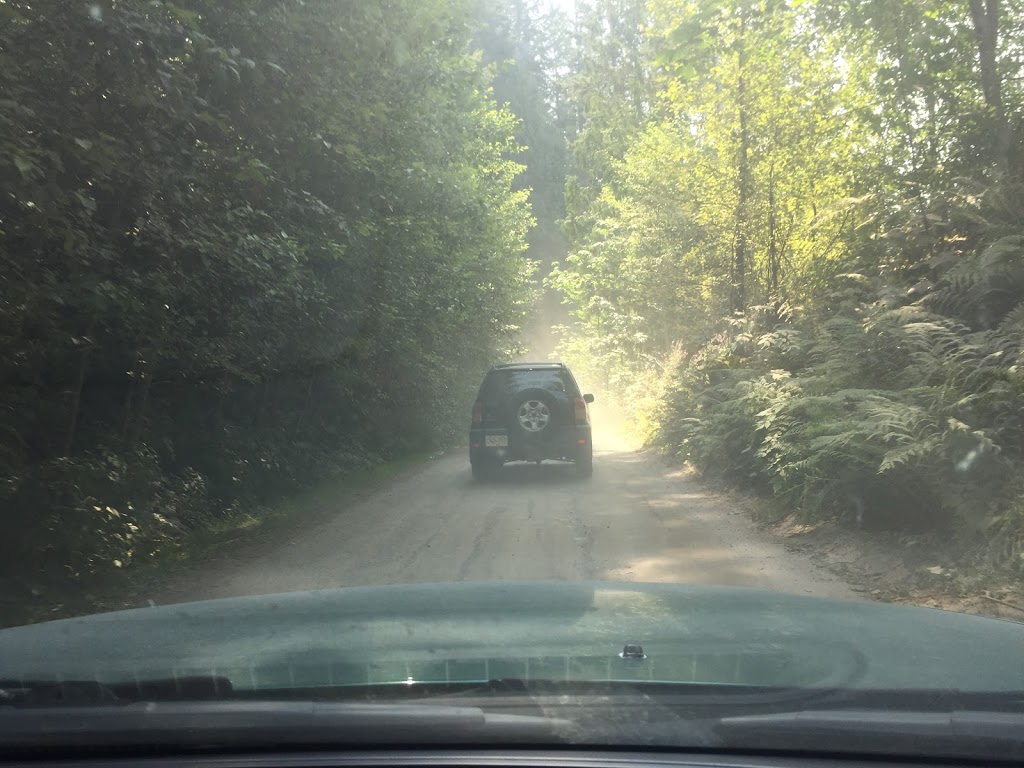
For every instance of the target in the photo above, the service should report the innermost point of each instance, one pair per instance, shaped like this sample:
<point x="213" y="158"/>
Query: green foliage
<point x="906" y="456"/>
<point x="810" y="237"/>
<point x="525" y="45"/>
<point x="243" y="246"/>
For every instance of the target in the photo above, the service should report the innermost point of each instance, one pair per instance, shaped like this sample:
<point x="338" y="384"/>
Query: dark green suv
<point x="530" y="412"/>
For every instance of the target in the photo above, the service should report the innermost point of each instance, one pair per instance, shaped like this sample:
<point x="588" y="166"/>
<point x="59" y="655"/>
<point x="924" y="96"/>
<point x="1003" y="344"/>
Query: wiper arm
<point x="244" y="724"/>
<point x="962" y="733"/>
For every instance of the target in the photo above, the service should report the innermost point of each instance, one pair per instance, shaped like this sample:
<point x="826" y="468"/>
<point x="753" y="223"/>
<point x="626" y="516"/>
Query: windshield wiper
<point x="256" y="724"/>
<point x="79" y="693"/>
<point x="962" y="733"/>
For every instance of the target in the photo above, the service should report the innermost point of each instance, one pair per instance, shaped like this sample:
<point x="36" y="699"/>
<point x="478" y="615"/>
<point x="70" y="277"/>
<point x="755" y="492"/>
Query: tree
<point x="245" y="246"/>
<point x="522" y="43"/>
<point x="810" y="249"/>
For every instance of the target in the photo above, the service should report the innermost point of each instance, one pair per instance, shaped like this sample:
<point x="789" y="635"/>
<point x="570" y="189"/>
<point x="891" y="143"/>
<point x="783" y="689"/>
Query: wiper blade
<point x="245" y="724"/>
<point x="72" y="693"/>
<point x="964" y="733"/>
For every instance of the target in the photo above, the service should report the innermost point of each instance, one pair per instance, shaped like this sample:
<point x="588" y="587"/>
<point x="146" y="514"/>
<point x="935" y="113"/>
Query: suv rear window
<point x="502" y="382"/>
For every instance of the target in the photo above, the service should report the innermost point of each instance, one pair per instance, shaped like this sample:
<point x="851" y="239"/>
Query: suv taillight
<point x="581" y="410"/>
<point x="478" y="412"/>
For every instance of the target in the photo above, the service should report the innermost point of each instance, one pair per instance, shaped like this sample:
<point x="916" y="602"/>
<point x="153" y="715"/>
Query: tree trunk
<point x="739" y="277"/>
<point x="129" y="397"/>
<point x="221" y="396"/>
<point x="985" y="16"/>
<point x="149" y="369"/>
<point x="76" y="400"/>
<point x="773" y="244"/>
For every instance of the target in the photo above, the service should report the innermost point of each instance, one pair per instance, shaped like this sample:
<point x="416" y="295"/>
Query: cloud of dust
<point x="613" y="429"/>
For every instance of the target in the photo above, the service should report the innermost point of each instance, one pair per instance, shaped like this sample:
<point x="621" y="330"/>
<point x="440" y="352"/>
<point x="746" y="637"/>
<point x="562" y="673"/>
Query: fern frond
<point x="910" y="452"/>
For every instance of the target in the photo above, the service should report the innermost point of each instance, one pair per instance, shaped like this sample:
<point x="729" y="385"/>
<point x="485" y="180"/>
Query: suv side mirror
<point x="588" y="398"/>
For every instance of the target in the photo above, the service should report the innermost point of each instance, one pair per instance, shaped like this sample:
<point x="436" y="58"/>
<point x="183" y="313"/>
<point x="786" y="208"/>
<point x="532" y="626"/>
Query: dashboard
<point x="457" y="758"/>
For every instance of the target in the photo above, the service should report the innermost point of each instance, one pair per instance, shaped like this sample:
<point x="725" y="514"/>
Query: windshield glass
<point x="516" y="357"/>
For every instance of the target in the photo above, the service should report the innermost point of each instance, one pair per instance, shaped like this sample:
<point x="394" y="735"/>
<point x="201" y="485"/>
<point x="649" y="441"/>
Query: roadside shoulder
<point x="243" y="537"/>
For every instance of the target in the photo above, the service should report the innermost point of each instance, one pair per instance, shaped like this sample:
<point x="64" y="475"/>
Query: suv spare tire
<point x="533" y="412"/>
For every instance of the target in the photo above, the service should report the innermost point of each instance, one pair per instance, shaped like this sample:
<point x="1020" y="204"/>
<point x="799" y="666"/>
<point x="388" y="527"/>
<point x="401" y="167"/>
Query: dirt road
<point x="635" y="520"/>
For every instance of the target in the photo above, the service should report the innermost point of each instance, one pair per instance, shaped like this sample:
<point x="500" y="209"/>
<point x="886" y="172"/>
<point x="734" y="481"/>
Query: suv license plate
<point x="496" y="441"/>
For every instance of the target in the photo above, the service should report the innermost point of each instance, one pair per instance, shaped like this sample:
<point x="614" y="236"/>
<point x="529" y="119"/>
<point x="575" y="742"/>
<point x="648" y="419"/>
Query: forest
<point x="248" y="245"/>
<point x="797" y="252"/>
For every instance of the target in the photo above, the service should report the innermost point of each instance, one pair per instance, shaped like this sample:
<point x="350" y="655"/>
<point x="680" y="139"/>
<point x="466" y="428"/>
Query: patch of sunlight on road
<point x="689" y="565"/>
<point x="671" y="500"/>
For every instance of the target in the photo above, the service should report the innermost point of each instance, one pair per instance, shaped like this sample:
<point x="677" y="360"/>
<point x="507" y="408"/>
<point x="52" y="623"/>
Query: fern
<point x="895" y="408"/>
<point x="982" y="289"/>
<point x="910" y="452"/>
<point x="1013" y="322"/>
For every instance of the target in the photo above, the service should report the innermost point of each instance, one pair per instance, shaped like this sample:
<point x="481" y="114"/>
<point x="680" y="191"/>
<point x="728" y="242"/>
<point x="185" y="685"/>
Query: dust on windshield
<point x="258" y="257"/>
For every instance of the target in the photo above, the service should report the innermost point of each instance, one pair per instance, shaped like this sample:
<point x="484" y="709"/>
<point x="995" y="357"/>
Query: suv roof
<point x="529" y="366"/>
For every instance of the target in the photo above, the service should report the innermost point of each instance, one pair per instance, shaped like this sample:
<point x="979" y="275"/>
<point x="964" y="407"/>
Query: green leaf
<point x="25" y="166"/>
<point x="87" y="202"/>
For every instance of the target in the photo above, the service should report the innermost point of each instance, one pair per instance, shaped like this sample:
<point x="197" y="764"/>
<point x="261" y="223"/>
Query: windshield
<point x="515" y="357"/>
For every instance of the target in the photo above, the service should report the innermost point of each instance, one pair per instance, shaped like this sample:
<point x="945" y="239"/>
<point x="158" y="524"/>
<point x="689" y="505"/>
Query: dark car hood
<point x="528" y="629"/>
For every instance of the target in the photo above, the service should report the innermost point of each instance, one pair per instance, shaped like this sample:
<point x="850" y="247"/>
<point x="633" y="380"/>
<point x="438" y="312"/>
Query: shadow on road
<point x="524" y="473"/>
<point x="636" y="520"/>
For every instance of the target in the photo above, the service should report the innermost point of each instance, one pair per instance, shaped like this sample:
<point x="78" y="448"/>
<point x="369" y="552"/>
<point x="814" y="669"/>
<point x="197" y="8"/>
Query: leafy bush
<point x="95" y="512"/>
<point x="244" y="246"/>
<point x="939" y="445"/>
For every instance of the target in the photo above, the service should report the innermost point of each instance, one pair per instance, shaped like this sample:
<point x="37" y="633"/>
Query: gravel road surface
<point x="634" y="520"/>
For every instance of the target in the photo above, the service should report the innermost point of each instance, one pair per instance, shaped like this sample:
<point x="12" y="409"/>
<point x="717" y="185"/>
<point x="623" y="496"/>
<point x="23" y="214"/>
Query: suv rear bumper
<point x="564" y="446"/>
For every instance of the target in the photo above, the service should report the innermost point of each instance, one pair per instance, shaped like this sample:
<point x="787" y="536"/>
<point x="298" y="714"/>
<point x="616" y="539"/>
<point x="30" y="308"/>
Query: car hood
<point x="529" y="630"/>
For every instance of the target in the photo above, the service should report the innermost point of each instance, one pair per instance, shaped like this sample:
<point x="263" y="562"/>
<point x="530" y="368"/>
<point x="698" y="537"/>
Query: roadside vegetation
<point x="247" y="246"/>
<point x="242" y="534"/>
<point x="797" y="252"/>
